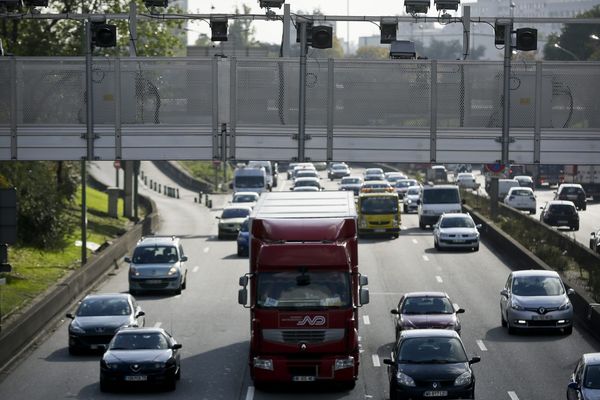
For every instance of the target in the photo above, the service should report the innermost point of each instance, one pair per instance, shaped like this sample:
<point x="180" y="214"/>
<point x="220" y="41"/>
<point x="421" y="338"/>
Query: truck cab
<point x="378" y="214"/>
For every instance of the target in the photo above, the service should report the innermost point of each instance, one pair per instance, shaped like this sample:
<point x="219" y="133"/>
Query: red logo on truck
<point x="317" y="320"/>
<point x="302" y="320"/>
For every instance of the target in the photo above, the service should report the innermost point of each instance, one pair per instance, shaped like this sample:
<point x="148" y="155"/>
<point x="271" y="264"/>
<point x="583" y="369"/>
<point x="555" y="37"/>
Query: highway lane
<point x="214" y="329"/>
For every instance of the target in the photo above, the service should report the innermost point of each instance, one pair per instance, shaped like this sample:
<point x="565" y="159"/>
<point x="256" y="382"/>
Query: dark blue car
<point x="243" y="239"/>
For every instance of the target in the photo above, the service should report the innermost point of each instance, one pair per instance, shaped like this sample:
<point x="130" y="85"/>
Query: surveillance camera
<point x="446" y="4"/>
<point x="403" y="49"/>
<point x="416" y="6"/>
<point x="270" y="3"/>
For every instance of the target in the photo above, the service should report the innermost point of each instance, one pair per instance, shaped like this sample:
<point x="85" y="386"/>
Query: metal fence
<point x="209" y="108"/>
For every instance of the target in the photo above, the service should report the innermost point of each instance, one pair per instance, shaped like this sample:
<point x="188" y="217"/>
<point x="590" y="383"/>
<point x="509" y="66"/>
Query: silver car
<point x="536" y="299"/>
<point x="411" y="198"/>
<point x="456" y="230"/>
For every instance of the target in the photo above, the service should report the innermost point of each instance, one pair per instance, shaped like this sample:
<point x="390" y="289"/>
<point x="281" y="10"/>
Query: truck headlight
<point x="261" y="363"/>
<point x="342" y="363"/>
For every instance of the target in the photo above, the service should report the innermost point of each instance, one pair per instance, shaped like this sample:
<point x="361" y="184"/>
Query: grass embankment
<point x="544" y="245"/>
<point x="34" y="270"/>
<point x="208" y="172"/>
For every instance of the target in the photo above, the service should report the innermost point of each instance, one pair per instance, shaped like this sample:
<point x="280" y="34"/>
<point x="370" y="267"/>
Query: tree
<point x="447" y="50"/>
<point x="373" y="53"/>
<point x="241" y="31"/>
<point x="575" y="39"/>
<point x="65" y="37"/>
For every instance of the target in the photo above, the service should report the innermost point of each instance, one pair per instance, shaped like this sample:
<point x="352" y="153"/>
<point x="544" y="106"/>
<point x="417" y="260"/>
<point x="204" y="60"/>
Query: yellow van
<point x="378" y="214"/>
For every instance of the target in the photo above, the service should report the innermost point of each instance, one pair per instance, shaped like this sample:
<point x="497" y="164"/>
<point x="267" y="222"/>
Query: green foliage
<point x="65" y="37"/>
<point x="446" y="50"/>
<point x="373" y="53"/>
<point x="575" y="38"/>
<point x="45" y="191"/>
<point x="241" y="32"/>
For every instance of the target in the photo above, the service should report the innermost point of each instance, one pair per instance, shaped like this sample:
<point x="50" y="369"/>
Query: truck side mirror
<point x="243" y="281"/>
<point x="364" y="296"/>
<point x="363" y="280"/>
<point x="243" y="296"/>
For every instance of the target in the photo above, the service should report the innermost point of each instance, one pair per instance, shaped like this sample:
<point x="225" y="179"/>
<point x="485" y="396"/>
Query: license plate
<point x="303" y="378"/>
<point x="153" y="281"/>
<point x="136" y="378"/>
<point x="459" y="241"/>
<point x="94" y="347"/>
<point x="435" y="393"/>
<point x="541" y="317"/>
<point x="379" y="230"/>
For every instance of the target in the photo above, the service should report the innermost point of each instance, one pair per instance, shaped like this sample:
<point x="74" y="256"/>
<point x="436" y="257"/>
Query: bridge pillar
<point x="128" y="188"/>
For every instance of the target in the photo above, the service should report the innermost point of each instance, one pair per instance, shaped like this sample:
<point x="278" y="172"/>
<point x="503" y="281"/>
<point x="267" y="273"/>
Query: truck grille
<point x="303" y="335"/>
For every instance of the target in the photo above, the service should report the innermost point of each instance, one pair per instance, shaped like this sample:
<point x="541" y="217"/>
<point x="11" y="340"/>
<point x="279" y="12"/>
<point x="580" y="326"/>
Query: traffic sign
<point x="117" y="164"/>
<point x="495" y="168"/>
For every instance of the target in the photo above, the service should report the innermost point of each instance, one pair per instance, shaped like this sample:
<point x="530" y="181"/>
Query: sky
<point x="270" y="31"/>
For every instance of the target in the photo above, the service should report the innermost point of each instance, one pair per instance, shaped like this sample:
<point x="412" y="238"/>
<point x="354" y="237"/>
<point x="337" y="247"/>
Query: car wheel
<point x="532" y="211"/>
<point x="171" y="384"/>
<point x="405" y="209"/>
<point x="393" y="394"/>
<point x="133" y="292"/>
<point x="184" y="283"/>
<point x="74" y="351"/>
<point x="396" y="235"/>
<point x="502" y="320"/>
<point x="239" y="251"/>
<point x="178" y="291"/>
<point x="511" y="330"/>
<point x="584" y="207"/>
<point x="178" y="374"/>
<point x="104" y="386"/>
<point x="347" y="385"/>
<point x="575" y="227"/>
<point x="220" y="236"/>
<point x="476" y="248"/>
<point x="436" y="245"/>
<point x="568" y="330"/>
<point x="422" y="225"/>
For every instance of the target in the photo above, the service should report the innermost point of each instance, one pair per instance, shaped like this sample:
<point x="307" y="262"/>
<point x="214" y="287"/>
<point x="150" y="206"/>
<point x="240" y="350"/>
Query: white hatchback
<point x="456" y="230"/>
<point x="466" y="180"/>
<point x="521" y="198"/>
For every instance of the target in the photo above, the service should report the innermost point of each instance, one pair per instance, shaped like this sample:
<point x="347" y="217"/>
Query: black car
<point x="141" y="356"/>
<point x="595" y="241"/>
<point x="98" y="317"/>
<point x="572" y="192"/>
<point x="420" y="310"/>
<point x="430" y="363"/>
<point x="585" y="380"/>
<point x="560" y="213"/>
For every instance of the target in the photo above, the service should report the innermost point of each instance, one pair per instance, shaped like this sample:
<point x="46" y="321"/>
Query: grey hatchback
<point x="534" y="299"/>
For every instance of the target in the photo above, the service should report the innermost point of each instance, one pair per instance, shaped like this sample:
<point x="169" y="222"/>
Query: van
<point x="250" y="180"/>
<point x="437" y="200"/>
<point x="270" y="169"/>
<point x="504" y="186"/>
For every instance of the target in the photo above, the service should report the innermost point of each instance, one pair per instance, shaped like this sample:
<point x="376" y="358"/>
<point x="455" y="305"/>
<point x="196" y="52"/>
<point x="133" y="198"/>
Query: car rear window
<point x="563" y="209"/>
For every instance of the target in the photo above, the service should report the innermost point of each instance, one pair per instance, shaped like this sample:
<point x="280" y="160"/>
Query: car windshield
<point x="431" y="350"/>
<point x="307" y="174"/>
<point x="441" y="196"/>
<point x="373" y="171"/>
<point x="456" y="222"/>
<point x="404" y="184"/>
<point x="563" y="209"/>
<point x="154" y="254"/>
<point x="427" y="305"/>
<point x="339" y="167"/>
<point x="249" y="181"/>
<point x="520" y="192"/>
<point x="414" y="191"/>
<point x="537" y="286"/>
<point x="592" y="377"/>
<point x="139" y="341"/>
<point x="570" y="190"/>
<point x="244" y="198"/>
<point x="379" y="205"/>
<point x="465" y="176"/>
<point x="301" y="289"/>
<point x="348" y="181"/>
<point x="308" y="182"/>
<point x="235" y="213"/>
<point x="101" y="307"/>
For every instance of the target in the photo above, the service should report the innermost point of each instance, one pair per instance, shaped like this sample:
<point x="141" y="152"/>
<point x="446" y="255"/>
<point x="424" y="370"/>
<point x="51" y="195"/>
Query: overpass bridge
<point x="230" y="109"/>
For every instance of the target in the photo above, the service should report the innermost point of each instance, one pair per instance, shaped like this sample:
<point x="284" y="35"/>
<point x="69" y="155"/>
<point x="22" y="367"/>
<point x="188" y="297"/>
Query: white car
<point x="304" y="182"/>
<point x="521" y="198"/>
<point x="245" y="197"/>
<point x="410" y="199"/>
<point x="306" y="173"/>
<point x="466" y="180"/>
<point x="456" y="230"/>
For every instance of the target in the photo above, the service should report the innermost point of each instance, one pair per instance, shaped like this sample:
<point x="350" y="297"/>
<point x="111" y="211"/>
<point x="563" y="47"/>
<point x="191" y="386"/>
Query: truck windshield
<point x="379" y="205"/>
<point x="249" y="182"/>
<point x="303" y="290"/>
<point x="441" y="196"/>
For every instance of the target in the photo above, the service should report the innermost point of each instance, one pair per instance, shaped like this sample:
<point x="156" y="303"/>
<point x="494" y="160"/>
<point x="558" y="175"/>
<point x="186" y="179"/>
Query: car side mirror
<point x="419" y="202"/>
<point x="460" y="311"/>
<point x="504" y="293"/>
<point x="593" y="235"/>
<point x="435" y="226"/>
<point x="291" y="188"/>
<point x="388" y="361"/>
<point x="127" y="259"/>
<point x="183" y="258"/>
<point x="217" y="217"/>
<point x="478" y="226"/>
<point x="69" y="315"/>
<point x="103" y="347"/>
<point x="474" y="360"/>
<point x="570" y="292"/>
<point x="394" y="311"/>
<point x="541" y="208"/>
<point x="140" y="314"/>
<point x="177" y="346"/>
<point x="573" y="385"/>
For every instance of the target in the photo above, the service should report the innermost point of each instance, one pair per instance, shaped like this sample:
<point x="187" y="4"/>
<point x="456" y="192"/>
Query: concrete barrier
<point x="182" y="177"/>
<point x="33" y="319"/>
<point x="522" y="258"/>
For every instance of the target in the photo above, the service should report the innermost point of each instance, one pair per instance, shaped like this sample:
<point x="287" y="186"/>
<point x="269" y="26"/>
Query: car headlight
<point x="404" y="379"/>
<point x="74" y="328"/>
<point x="172" y="271"/>
<point x="133" y="271"/>
<point x="463" y="379"/>
<point x="565" y="306"/>
<point x="517" y="306"/>
<point x="409" y="201"/>
<point x="107" y="365"/>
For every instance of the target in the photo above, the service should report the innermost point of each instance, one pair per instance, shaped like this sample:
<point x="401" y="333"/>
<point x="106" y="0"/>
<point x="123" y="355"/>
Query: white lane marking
<point x="196" y="268"/>
<point x="206" y="249"/>
<point x="439" y="279"/>
<point x="415" y="241"/>
<point x="366" y="320"/>
<point x="481" y="345"/>
<point x="425" y="258"/>
<point x="250" y="393"/>
<point x="158" y="324"/>
<point x="513" y="396"/>
<point x="376" y="362"/>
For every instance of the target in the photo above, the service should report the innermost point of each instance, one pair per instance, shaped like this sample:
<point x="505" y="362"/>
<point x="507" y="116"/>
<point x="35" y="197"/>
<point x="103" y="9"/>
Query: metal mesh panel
<point x="51" y="91"/>
<point x="267" y="92"/>
<point x="5" y="92"/>
<point x="482" y="94"/>
<point x="382" y="93"/>
<point x="166" y="91"/>
<point x="575" y="88"/>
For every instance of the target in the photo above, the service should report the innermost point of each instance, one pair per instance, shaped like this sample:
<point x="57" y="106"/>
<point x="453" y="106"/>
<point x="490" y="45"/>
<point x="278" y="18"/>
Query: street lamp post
<point x="567" y="51"/>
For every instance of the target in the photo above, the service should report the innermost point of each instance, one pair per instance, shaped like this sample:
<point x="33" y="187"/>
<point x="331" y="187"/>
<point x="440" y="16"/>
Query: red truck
<point x="304" y="289"/>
